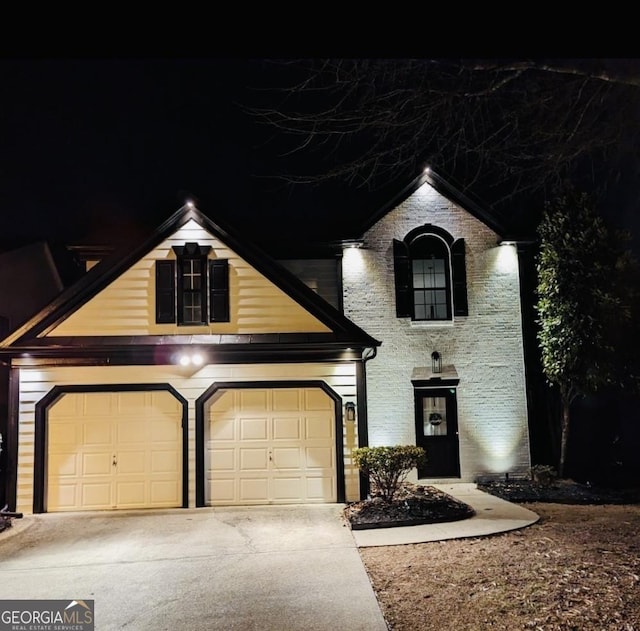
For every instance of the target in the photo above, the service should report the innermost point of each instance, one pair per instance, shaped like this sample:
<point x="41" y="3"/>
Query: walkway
<point x="493" y="515"/>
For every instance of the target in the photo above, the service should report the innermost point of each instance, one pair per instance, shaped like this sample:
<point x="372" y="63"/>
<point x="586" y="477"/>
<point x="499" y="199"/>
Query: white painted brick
<point x="485" y="347"/>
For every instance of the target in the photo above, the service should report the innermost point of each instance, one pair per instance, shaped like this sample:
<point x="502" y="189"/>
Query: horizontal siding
<point x="127" y="305"/>
<point x="36" y="383"/>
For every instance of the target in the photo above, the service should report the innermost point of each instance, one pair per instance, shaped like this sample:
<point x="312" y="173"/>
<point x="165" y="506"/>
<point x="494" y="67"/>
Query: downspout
<point x="363" y="426"/>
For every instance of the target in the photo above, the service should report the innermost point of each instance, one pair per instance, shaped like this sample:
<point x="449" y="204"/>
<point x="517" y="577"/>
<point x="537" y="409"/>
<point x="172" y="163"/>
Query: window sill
<point x="431" y="324"/>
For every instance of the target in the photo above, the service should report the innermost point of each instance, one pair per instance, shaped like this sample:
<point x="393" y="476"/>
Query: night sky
<point x="97" y="151"/>
<point x="102" y="151"/>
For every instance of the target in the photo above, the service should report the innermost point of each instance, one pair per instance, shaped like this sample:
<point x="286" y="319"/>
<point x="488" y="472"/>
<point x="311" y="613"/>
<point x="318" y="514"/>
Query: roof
<point x="343" y="330"/>
<point x="445" y="188"/>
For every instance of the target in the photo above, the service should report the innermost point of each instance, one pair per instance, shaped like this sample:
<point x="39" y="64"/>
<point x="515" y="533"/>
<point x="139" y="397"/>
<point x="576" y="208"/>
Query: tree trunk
<point x="566" y="403"/>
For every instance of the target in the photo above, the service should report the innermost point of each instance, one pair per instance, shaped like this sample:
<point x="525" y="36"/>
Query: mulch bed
<point x="413" y="506"/>
<point x="559" y="492"/>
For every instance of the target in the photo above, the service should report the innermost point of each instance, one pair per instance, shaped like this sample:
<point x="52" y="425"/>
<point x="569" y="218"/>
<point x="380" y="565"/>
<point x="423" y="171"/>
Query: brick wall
<point x="485" y="347"/>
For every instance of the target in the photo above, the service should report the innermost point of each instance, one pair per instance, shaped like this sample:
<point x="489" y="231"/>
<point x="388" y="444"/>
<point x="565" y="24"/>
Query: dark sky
<point x="102" y="151"/>
<point x="98" y="150"/>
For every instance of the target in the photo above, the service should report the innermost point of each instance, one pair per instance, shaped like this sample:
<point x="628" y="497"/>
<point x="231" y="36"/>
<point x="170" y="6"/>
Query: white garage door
<point x="270" y="446"/>
<point x="114" y="450"/>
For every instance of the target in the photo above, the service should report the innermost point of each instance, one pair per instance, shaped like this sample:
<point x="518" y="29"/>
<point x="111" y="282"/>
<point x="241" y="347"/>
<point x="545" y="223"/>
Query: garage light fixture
<point x="350" y="411"/>
<point x="191" y="359"/>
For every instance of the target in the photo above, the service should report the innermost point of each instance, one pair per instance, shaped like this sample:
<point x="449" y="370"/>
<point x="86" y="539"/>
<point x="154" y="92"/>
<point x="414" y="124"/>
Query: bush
<point x="388" y="467"/>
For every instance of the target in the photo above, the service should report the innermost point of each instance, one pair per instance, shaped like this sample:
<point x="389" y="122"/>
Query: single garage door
<point x="270" y="446"/>
<point x="114" y="450"/>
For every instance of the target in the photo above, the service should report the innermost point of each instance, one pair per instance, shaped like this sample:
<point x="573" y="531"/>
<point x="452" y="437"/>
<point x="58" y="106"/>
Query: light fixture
<point x="350" y="411"/>
<point x="436" y="362"/>
<point x="191" y="359"/>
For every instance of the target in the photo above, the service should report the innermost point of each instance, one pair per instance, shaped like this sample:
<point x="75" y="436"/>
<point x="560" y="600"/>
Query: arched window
<point x="430" y="275"/>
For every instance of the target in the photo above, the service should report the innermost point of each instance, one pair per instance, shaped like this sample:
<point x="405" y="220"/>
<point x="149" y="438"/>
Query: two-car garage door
<point x="114" y="450"/>
<point x="270" y="446"/>
<point x="124" y="450"/>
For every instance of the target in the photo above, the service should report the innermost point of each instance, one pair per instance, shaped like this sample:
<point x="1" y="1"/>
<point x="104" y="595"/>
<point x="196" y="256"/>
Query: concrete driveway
<point x="284" y="568"/>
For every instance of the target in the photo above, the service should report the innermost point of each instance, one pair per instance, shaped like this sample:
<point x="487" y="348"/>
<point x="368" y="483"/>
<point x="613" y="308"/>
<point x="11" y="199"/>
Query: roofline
<point x="107" y="270"/>
<point x="445" y="188"/>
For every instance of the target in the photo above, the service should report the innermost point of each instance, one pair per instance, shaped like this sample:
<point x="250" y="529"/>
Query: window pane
<point x="192" y="311"/>
<point x="435" y="416"/>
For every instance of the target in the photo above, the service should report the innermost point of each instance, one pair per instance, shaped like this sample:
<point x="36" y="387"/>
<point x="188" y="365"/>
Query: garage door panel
<point x="317" y="427"/>
<point x="287" y="458"/>
<point x="64" y="463"/>
<point x="288" y="489"/>
<point x="165" y="430"/>
<point x="222" y="428"/>
<point x="131" y="494"/>
<point x="286" y="399"/>
<point x="280" y="437"/>
<point x="318" y="488"/>
<point x="63" y="434"/>
<point x="251" y="459"/>
<point x="224" y="489"/>
<point x="222" y="459"/>
<point x="121" y="450"/>
<point x="165" y="462"/>
<point x="253" y="490"/>
<point x="164" y="493"/>
<point x="95" y="464"/>
<point x="131" y="462"/>
<point x="287" y="428"/>
<point x="132" y="431"/>
<point x="316" y="399"/>
<point x="253" y="429"/>
<point x="65" y="496"/>
<point x="96" y="405"/>
<point x="95" y="496"/>
<point x="252" y="399"/>
<point x="320" y="458"/>
<point x="96" y="433"/>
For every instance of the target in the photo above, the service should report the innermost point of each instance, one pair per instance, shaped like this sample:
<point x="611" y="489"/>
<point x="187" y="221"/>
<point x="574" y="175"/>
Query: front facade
<point x="191" y="371"/>
<point x="431" y="281"/>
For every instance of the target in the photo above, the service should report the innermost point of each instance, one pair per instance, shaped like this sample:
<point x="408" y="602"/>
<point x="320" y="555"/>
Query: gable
<point x="126" y="306"/>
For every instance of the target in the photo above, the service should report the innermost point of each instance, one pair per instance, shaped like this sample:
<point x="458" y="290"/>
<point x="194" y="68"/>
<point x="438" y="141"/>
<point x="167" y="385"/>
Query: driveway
<point x="282" y="568"/>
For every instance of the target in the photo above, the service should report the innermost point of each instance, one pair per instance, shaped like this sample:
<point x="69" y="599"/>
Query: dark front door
<point x="437" y="432"/>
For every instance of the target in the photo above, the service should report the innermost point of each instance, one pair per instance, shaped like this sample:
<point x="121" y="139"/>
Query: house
<point x="189" y="370"/>
<point x="436" y="281"/>
<point x="195" y="370"/>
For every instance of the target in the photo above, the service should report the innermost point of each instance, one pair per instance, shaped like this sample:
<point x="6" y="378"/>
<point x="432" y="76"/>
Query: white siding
<point x="127" y="305"/>
<point x="37" y="382"/>
<point x="485" y="346"/>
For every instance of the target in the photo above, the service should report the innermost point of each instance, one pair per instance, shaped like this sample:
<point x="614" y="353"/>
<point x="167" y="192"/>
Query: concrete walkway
<point x="493" y="515"/>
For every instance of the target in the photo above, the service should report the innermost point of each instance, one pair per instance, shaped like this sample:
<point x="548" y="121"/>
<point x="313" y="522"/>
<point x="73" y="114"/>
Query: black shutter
<point x="165" y="292"/>
<point x="460" y="306"/>
<point x="402" y="273"/>
<point x="219" y="290"/>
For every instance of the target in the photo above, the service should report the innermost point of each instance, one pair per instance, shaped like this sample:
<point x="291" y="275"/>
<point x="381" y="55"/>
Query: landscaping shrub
<point x="388" y="467"/>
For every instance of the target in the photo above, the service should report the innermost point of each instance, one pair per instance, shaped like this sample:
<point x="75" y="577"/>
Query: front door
<point x="437" y="432"/>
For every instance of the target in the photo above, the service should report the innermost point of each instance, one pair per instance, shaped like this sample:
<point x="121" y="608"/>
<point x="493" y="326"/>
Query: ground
<point x="577" y="568"/>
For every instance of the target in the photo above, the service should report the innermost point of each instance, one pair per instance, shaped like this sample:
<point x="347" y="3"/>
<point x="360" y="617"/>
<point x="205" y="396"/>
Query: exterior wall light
<point x="350" y="411"/>
<point x="436" y="362"/>
<point x="191" y="359"/>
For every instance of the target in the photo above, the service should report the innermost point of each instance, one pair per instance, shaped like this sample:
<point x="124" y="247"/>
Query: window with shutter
<point x="193" y="289"/>
<point x="430" y="275"/>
